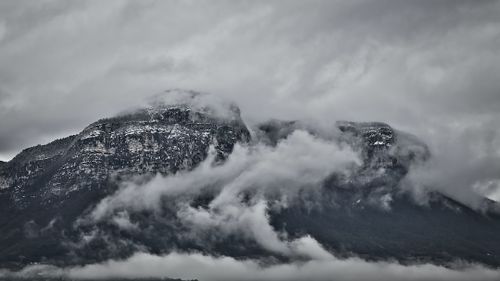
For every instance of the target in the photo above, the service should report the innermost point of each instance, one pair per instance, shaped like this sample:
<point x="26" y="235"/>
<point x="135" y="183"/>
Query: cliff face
<point x="47" y="189"/>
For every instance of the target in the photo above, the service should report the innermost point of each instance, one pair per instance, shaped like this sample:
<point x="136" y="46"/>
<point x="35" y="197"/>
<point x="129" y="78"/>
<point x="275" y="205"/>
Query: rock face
<point x="162" y="139"/>
<point x="47" y="188"/>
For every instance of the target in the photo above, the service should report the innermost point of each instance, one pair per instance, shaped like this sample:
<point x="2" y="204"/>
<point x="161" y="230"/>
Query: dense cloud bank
<point x="208" y="268"/>
<point x="225" y="268"/>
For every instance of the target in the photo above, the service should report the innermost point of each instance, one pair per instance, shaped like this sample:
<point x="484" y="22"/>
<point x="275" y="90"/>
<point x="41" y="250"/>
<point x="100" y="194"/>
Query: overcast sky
<point x="428" y="67"/>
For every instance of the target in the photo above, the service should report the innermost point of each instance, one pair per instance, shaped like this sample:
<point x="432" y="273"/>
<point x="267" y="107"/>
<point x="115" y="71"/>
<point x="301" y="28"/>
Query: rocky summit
<point x="161" y="138"/>
<point x="47" y="189"/>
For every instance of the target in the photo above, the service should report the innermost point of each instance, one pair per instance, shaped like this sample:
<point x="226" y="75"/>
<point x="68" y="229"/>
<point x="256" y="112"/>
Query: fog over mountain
<point x="250" y="140"/>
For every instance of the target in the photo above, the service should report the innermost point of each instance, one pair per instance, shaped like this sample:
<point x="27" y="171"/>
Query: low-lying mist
<point x="210" y="268"/>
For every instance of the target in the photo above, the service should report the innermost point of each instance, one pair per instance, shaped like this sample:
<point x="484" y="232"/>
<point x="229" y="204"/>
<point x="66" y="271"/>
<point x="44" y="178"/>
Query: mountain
<point x="47" y="191"/>
<point x="45" y="188"/>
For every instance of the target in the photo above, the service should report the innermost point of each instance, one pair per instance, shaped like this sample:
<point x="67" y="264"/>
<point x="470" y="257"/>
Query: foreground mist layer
<point x="186" y="174"/>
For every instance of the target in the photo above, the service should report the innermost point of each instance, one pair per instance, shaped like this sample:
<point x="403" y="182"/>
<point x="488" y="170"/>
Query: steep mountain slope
<point x="49" y="192"/>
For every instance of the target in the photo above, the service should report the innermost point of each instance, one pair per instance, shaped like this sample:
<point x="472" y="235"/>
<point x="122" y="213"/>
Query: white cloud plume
<point x="269" y="177"/>
<point x="464" y="165"/>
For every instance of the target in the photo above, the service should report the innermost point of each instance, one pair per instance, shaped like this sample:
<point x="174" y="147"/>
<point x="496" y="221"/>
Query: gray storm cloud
<point x="419" y="66"/>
